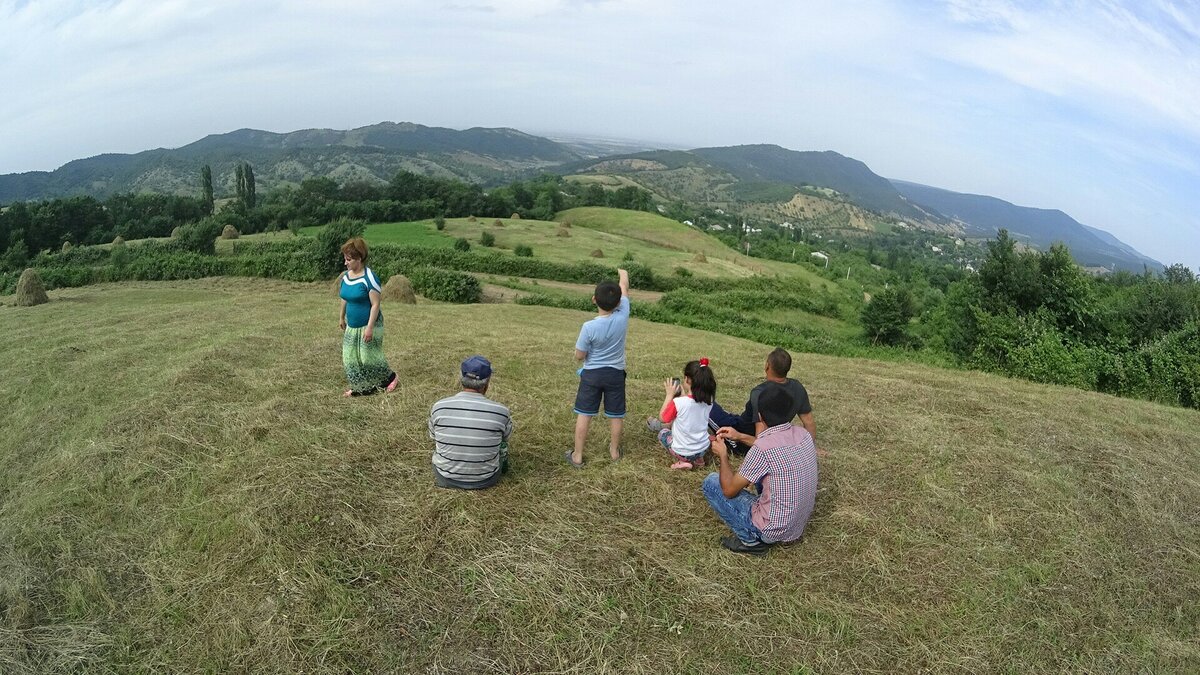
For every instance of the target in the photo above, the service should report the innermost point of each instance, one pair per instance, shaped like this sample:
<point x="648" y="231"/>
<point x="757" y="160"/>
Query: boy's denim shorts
<point x="596" y="384"/>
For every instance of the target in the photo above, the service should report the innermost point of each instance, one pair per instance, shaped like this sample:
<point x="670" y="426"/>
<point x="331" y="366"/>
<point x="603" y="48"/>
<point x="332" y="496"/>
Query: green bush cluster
<point x="329" y="243"/>
<point x="523" y="251"/>
<point x="445" y="285"/>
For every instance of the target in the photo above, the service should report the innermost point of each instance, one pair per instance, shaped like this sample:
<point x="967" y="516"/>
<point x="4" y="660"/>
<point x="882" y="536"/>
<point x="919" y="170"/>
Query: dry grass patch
<point x="261" y="523"/>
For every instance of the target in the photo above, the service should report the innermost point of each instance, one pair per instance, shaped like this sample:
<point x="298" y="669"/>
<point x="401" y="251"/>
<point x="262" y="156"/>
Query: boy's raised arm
<point x="623" y="282"/>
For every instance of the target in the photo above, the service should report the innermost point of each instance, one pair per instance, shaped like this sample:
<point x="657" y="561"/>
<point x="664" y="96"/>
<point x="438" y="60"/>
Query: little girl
<point x="686" y="409"/>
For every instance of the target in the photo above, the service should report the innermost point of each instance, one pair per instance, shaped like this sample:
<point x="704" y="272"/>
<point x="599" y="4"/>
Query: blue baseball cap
<point x="477" y="367"/>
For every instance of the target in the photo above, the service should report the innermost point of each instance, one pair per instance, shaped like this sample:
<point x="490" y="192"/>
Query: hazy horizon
<point x="1088" y="108"/>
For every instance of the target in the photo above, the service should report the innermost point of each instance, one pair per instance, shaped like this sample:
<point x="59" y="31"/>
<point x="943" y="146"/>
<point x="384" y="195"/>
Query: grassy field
<point x="670" y="234"/>
<point x="182" y="489"/>
<point x="660" y="242"/>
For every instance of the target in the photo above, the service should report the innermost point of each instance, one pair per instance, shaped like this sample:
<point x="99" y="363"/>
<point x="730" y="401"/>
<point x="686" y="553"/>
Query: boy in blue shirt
<point x="601" y="347"/>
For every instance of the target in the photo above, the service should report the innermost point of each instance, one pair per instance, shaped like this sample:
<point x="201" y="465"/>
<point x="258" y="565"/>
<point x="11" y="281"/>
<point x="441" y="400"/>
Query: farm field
<point x="183" y="489"/>
<point x="661" y="243"/>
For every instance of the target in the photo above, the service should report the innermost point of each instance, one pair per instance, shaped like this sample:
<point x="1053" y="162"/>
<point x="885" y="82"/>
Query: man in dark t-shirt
<point x="779" y="363"/>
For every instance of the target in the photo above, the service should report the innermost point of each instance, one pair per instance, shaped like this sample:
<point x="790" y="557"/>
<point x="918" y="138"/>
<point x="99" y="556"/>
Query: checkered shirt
<point x="783" y="463"/>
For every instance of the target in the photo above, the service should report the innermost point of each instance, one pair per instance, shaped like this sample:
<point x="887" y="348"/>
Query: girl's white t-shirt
<point x="689" y="433"/>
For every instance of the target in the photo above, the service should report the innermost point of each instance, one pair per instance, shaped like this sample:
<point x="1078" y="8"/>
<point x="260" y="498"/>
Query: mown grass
<point x="673" y="235"/>
<point x="182" y="489"/>
<point x="653" y="240"/>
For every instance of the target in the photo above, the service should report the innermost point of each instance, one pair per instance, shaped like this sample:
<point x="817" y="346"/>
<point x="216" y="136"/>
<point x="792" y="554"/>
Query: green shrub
<point x="461" y="244"/>
<point x="119" y="255"/>
<point x="199" y="237"/>
<point x="439" y="223"/>
<point x="445" y="285"/>
<point x="329" y="243"/>
<point x="683" y="272"/>
<point x="523" y="251"/>
<point x="885" y="319"/>
<point x="487" y="239"/>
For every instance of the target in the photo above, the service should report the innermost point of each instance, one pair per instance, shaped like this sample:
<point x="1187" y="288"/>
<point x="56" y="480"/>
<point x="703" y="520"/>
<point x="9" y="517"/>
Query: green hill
<point x="672" y="235"/>
<point x="372" y="154"/>
<point x="182" y="489"/>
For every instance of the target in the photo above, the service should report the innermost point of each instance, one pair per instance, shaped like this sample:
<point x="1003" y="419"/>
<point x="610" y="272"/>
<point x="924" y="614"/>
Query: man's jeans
<point x="735" y="512"/>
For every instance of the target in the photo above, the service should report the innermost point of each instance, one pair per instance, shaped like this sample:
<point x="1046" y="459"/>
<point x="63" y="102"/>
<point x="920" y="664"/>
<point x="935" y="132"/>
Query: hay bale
<point x="399" y="289"/>
<point x="30" y="289"/>
<point x="515" y="216"/>
<point x="230" y="232"/>
<point x="565" y="223"/>
<point x="66" y="246"/>
<point x="470" y="219"/>
<point x="699" y="258"/>
<point x="497" y="223"/>
<point x="562" y="233"/>
<point x="175" y="232"/>
<point x="119" y="241"/>
<point x="597" y="253"/>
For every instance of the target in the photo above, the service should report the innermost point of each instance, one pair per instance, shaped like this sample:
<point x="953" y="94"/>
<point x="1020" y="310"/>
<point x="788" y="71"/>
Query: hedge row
<point x="717" y="319"/>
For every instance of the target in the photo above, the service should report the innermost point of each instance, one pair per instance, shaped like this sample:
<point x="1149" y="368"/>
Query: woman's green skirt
<point x="366" y="366"/>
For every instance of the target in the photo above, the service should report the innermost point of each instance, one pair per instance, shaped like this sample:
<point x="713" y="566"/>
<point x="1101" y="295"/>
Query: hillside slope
<point x="183" y="489"/>
<point x="983" y="216"/>
<point x="372" y="153"/>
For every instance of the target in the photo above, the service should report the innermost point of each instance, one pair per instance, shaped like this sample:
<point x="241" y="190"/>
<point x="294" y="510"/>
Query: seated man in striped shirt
<point x="782" y="464"/>
<point x="470" y="432"/>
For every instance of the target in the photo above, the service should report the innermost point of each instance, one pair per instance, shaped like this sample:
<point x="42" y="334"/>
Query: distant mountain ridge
<point x="371" y="153"/>
<point x="851" y="177"/>
<point x="759" y="173"/>
<point x="983" y="216"/>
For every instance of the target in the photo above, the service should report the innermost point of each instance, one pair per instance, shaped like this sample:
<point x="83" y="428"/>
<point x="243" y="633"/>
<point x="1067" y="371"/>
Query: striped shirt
<point x="468" y="429"/>
<point x="783" y="463"/>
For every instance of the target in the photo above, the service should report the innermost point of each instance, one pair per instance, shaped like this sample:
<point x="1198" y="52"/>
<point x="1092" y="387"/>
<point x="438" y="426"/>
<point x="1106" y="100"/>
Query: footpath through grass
<point x="182" y="489"/>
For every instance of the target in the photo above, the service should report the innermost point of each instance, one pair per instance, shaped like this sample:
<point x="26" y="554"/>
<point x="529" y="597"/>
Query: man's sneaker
<point x="733" y="543"/>
<point x="654" y="425"/>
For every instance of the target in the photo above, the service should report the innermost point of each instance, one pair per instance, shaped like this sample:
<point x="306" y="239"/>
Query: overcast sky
<point x="1092" y="107"/>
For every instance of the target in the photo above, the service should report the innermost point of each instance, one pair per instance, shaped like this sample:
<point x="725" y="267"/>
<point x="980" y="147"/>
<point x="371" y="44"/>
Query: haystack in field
<point x="399" y="289"/>
<point x="118" y="240"/>
<point x="562" y="233"/>
<point x="66" y="246"/>
<point x="515" y="216"/>
<point x="175" y="232"/>
<point x="30" y="289"/>
<point x="699" y="258"/>
<point x="497" y="223"/>
<point x="470" y="219"/>
<point x="230" y="232"/>
<point x="566" y="224"/>
<point x="597" y="253"/>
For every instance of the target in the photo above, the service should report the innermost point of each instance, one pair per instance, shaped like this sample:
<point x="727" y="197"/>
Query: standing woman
<point x="362" y="320"/>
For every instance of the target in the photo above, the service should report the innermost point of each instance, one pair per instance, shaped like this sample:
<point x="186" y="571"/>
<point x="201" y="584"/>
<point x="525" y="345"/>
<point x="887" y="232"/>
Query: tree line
<point x="27" y="228"/>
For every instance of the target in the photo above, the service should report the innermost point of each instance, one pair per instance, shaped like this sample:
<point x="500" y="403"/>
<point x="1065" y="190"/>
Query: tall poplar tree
<point x="251" y="195"/>
<point x="207" y="186"/>
<point x="240" y="177"/>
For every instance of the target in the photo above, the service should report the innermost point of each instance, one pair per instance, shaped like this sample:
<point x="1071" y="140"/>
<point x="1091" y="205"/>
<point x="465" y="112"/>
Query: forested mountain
<point x="850" y="177"/>
<point x="757" y="181"/>
<point x="983" y="216"/>
<point x="373" y="153"/>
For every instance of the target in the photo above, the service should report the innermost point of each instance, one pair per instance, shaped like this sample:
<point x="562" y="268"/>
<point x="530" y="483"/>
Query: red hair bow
<point x="703" y="362"/>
